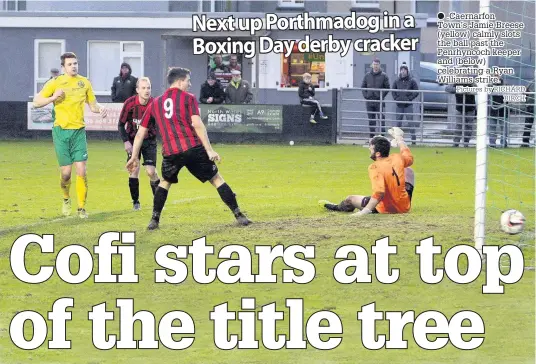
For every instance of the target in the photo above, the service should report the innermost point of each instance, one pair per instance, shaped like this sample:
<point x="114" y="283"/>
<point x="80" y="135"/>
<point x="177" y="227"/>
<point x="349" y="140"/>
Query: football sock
<point x="154" y="185"/>
<point x="134" y="185"/>
<point x="160" y="197"/>
<point x="228" y="197"/>
<point x="346" y="207"/>
<point x="65" y="188"/>
<point x="81" y="191"/>
<point x="343" y="206"/>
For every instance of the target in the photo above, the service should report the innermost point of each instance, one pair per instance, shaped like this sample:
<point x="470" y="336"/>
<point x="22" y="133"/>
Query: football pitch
<point x="278" y="187"/>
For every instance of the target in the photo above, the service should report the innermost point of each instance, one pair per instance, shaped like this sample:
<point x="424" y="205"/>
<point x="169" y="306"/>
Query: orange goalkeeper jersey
<point x="387" y="177"/>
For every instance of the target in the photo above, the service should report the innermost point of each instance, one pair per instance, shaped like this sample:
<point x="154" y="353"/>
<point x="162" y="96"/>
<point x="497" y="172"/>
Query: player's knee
<point x="217" y="180"/>
<point x="81" y="170"/>
<point x="350" y="201"/>
<point x="164" y="184"/>
<point x="151" y="172"/>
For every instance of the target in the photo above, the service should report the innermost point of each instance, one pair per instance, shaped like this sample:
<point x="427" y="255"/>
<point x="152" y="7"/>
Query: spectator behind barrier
<point x="238" y="90"/>
<point x="212" y="91"/>
<point x="377" y="79"/>
<point x="465" y="118"/>
<point x="124" y="85"/>
<point x="498" y="116"/>
<point x="404" y="98"/>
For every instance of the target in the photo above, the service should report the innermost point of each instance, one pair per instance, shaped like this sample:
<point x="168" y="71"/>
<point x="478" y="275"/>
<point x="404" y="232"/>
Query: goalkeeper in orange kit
<point x="391" y="178"/>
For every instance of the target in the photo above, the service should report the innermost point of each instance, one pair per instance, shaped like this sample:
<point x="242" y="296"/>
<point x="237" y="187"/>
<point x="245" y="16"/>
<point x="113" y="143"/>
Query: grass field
<point x="278" y="187"/>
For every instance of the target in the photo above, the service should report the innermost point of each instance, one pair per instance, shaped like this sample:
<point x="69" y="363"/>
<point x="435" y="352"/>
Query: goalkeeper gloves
<point x="397" y="134"/>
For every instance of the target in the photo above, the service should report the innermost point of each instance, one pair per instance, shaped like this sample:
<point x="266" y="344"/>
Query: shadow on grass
<point x="72" y="220"/>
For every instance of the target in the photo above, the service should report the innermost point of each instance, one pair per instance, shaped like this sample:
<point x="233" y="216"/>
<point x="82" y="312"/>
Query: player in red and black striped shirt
<point x="129" y="121"/>
<point x="185" y="143"/>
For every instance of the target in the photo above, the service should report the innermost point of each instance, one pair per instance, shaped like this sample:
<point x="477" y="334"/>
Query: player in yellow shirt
<point x="69" y="92"/>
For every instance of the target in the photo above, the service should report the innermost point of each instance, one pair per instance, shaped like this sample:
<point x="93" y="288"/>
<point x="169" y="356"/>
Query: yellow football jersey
<point x="69" y="110"/>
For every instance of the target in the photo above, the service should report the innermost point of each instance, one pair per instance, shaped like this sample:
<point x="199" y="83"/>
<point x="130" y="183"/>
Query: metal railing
<point x="435" y="116"/>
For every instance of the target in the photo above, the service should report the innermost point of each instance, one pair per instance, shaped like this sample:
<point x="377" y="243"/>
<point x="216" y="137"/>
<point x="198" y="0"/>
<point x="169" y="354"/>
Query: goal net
<point x="505" y="168"/>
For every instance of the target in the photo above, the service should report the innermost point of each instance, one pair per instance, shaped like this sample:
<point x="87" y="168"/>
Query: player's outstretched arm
<point x="405" y="153"/>
<point x="402" y="145"/>
<point x="201" y="131"/>
<point x="398" y="135"/>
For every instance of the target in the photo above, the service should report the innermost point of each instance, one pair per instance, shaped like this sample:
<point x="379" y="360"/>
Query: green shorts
<point x="70" y="145"/>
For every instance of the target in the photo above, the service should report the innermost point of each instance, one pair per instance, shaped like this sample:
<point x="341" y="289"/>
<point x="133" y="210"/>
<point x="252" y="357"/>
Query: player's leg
<point x="61" y="139"/>
<point x="134" y="178"/>
<point x="65" y="183"/>
<point x="204" y="170"/>
<point x="349" y="204"/>
<point x="153" y="177"/>
<point x="80" y="156"/>
<point x="149" y="161"/>
<point x="229" y="198"/>
<point x="134" y="186"/>
<point x="81" y="188"/>
<point x="171" y="167"/>
<point x="409" y="175"/>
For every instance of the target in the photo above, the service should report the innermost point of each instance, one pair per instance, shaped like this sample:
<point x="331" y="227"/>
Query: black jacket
<point x="306" y="90"/>
<point x="462" y="99"/>
<point x="215" y="91"/>
<point x="375" y="80"/>
<point x="406" y="83"/>
<point x="123" y="88"/>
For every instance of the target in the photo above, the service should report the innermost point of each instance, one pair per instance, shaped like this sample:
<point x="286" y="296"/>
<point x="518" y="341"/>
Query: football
<point x="512" y="221"/>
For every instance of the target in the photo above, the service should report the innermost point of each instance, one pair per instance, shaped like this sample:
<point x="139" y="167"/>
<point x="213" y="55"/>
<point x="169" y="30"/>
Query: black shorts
<point x="409" y="190"/>
<point x="195" y="159"/>
<point x="148" y="150"/>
